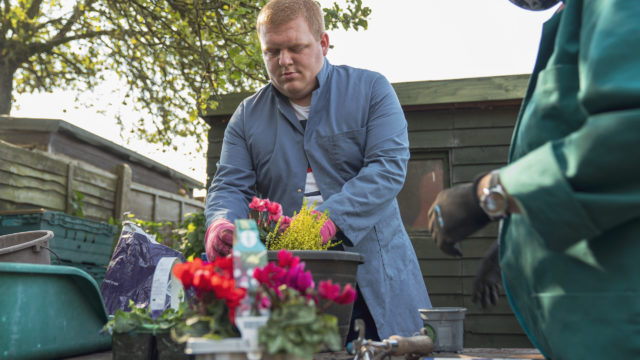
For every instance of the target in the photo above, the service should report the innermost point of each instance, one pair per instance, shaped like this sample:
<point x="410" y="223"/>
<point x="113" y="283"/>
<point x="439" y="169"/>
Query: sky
<point x="406" y="40"/>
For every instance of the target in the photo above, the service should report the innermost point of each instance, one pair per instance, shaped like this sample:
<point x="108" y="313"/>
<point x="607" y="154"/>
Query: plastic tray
<point x="75" y="239"/>
<point x="49" y="312"/>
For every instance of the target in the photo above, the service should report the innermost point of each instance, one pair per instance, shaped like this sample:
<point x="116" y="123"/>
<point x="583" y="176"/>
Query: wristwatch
<point x="494" y="200"/>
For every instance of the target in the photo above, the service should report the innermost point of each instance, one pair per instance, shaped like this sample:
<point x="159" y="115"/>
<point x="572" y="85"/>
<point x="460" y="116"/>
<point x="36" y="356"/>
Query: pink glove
<point x="328" y="231"/>
<point x="219" y="239"/>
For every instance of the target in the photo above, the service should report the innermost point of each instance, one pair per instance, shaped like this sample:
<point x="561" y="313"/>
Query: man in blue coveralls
<point x="336" y="135"/>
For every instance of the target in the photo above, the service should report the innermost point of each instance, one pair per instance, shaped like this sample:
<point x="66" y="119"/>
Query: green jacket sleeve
<point x="587" y="183"/>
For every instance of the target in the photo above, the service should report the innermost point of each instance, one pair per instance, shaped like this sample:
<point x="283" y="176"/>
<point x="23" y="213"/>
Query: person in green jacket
<point x="569" y="199"/>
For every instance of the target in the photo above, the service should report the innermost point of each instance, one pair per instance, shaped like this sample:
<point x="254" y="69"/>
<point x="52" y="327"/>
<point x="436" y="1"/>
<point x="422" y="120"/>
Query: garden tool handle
<point x="417" y="345"/>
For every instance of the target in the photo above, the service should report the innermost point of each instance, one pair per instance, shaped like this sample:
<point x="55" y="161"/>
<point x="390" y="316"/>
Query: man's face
<point x="293" y="57"/>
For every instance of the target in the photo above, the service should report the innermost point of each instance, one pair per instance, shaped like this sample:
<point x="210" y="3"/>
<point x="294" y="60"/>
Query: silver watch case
<point x="494" y="202"/>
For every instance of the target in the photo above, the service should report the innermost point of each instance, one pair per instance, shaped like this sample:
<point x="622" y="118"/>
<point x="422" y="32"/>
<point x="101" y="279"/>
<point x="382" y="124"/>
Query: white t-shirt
<point x="311" y="190"/>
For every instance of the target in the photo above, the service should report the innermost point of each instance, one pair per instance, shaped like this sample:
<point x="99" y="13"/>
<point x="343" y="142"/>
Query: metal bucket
<point x="445" y="326"/>
<point x="26" y="247"/>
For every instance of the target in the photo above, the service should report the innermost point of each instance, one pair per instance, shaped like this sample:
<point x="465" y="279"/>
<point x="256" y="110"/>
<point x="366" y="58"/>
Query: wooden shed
<point x="457" y="129"/>
<point x="44" y="162"/>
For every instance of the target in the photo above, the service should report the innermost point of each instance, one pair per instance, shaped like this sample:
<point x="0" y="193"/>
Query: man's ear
<point x="324" y="43"/>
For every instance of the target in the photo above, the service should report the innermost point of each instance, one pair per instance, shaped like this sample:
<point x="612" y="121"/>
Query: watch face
<point x="495" y="202"/>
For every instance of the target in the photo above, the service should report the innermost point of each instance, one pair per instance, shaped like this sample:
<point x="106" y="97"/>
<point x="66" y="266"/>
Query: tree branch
<point x="35" y="48"/>
<point x="34" y="9"/>
<point x="77" y="12"/>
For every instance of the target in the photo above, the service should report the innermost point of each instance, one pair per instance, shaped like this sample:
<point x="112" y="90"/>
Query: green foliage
<point x="215" y="325"/>
<point x="303" y="233"/>
<point x="189" y="235"/>
<point x="186" y="237"/>
<point x="298" y="328"/>
<point x="139" y="319"/>
<point x="77" y="204"/>
<point x="161" y="230"/>
<point x="175" y="56"/>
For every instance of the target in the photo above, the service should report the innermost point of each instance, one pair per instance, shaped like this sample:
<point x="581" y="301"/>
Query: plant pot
<point x="168" y="349"/>
<point x="132" y="346"/>
<point x="281" y="357"/>
<point x="339" y="266"/>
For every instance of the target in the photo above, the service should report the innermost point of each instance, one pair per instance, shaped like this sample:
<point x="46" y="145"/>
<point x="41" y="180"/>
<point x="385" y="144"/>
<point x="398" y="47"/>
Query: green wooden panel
<point x="467" y="286"/>
<point x="430" y="120"/>
<point x="459" y="138"/>
<point x="492" y="324"/>
<point x="462" y="90"/>
<point x="468" y="173"/>
<point x="442" y="119"/>
<point x="498" y="341"/>
<point x="438" y="300"/>
<point x="491" y="231"/>
<point x="496" y="117"/>
<point x="502" y="307"/>
<point x="426" y="249"/>
<point x="480" y="155"/>
<point x="476" y="248"/>
<point x="444" y="267"/>
<point x="443" y="285"/>
<point x="432" y="139"/>
<point x="215" y="148"/>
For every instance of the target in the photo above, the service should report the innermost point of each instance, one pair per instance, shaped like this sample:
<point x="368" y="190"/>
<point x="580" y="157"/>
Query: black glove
<point x="487" y="281"/>
<point x="454" y="215"/>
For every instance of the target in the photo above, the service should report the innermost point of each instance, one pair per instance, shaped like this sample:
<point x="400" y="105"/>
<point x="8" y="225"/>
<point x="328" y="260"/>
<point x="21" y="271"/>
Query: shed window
<point x="425" y="179"/>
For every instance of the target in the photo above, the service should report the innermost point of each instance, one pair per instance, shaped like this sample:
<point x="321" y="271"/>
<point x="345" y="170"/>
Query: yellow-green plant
<point x="303" y="233"/>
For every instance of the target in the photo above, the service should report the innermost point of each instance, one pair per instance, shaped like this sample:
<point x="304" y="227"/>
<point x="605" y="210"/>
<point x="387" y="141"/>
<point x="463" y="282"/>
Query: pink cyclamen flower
<point x="299" y="279"/>
<point x="258" y="204"/>
<point x="275" y="211"/>
<point x="286" y="259"/>
<point x="347" y="296"/>
<point x="284" y="223"/>
<point x="328" y="290"/>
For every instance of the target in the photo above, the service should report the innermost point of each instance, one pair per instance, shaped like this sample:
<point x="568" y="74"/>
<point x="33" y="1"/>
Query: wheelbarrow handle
<point x="415" y="345"/>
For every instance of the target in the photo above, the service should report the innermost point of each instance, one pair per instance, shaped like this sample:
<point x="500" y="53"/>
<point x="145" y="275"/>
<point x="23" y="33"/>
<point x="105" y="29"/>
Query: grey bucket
<point x="26" y="247"/>
<point x="445" y="326"/>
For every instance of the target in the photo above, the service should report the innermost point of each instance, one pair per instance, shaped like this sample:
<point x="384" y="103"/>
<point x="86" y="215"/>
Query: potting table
<point x="471" y="353"/>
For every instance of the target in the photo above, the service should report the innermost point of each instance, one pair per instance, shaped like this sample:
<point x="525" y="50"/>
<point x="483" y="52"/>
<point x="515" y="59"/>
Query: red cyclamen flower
<point x="347" y="296"/>
<point x="258" y="204"/>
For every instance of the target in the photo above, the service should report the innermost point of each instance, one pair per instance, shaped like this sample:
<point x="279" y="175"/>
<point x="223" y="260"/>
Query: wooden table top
<point x="470" y="353"/>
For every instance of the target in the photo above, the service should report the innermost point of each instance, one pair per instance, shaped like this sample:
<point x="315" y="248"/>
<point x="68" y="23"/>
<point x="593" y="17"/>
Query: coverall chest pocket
<point x="346" y="151"/>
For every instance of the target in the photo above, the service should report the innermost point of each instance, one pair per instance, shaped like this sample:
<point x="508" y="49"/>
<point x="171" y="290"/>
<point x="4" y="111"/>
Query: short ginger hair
<point x="280" y="12"/>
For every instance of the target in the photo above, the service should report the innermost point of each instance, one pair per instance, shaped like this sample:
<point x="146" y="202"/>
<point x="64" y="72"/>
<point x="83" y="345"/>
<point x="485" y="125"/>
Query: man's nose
<point x="285" y="58"/>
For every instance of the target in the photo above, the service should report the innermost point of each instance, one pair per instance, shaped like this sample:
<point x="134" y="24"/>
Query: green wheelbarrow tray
<point x="49" y="312"/>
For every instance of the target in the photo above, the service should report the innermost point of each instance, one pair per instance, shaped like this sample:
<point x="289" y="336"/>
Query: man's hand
<point x="328" y="231"/>
<point x="454" y="215"/>
<point x="487" y="281"/>
<point x="219" y="239"/>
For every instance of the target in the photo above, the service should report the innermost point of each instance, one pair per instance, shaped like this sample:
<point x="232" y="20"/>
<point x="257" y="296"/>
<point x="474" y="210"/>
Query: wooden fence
<point x="35" y="179"/>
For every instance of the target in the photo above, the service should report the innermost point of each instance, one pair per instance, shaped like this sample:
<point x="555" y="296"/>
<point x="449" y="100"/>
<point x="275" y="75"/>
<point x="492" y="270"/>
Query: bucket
<point x="445" y="326"/>
<point x="26" y="247"/>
